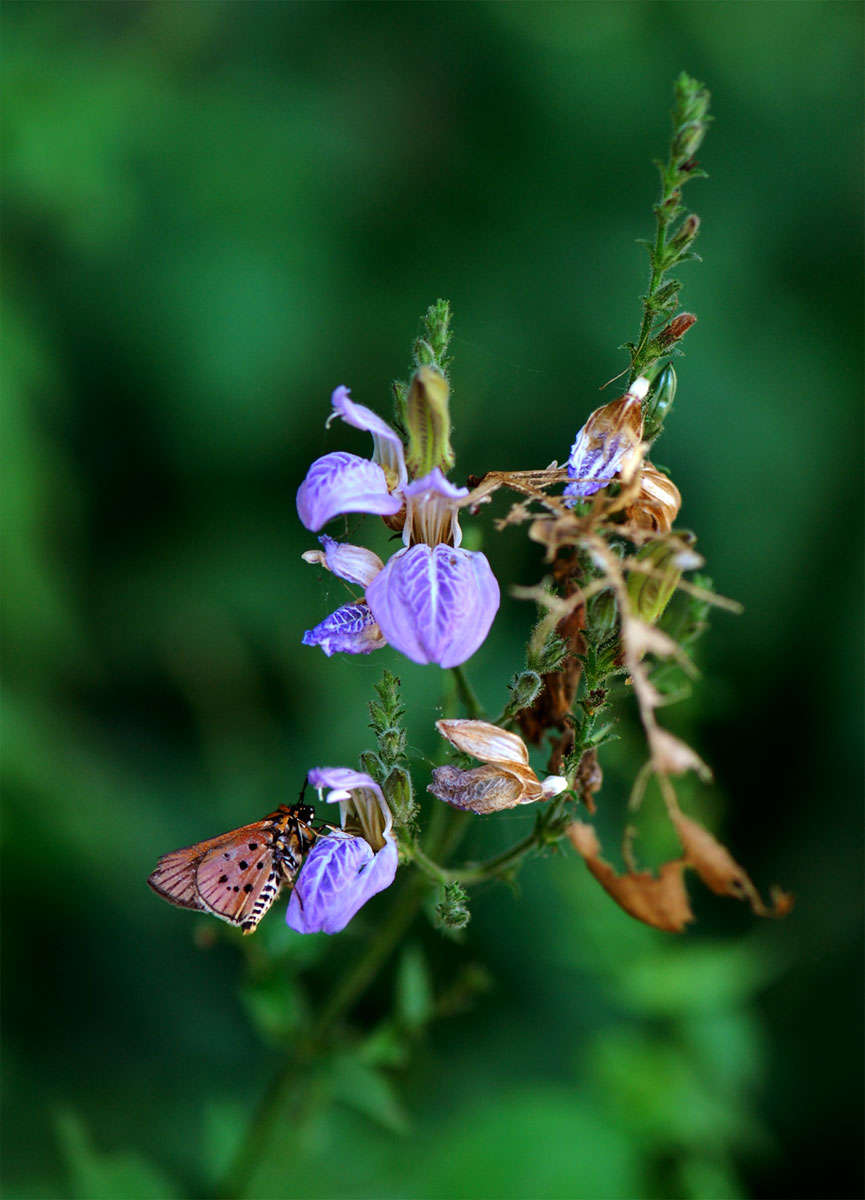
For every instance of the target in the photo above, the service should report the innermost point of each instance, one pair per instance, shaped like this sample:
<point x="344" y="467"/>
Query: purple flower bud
<point x="352" y="629"/>
<point x="340" y="874"/>
<point x="435" y="603"/>
<point x="343" y="483"/>
<point x="355" y="564"/>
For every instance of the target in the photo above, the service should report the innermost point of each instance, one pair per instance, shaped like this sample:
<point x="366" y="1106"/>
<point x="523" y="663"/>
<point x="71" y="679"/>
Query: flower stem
<point x="467" y="694"/>
<point x="348" y="989"/>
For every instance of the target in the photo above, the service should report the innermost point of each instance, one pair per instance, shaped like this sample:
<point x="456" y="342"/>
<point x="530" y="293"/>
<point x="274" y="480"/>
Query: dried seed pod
<point x="657" y="503"/>
<point x="609" y="444"/>
<point x="505" y="780"/>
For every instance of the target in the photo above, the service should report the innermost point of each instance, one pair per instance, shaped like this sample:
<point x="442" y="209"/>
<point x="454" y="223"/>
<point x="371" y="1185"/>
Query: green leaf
<point x="119" y="1175"/>
<point x="700" y="979"/>
<point x="367" y="1091"/>
<point x="414" y="1000"/>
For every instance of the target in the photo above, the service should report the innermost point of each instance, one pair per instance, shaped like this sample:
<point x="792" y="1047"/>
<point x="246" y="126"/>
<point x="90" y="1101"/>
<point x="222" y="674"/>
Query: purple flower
<point x="433" y="601"/>
<point x="352" y="563"/>
<point x="352" y="629"/>
<point x="349" y="865"/>
<point x="435" y="604"/>
<point x="609" y="444"/>
<point x="345" y="483"/>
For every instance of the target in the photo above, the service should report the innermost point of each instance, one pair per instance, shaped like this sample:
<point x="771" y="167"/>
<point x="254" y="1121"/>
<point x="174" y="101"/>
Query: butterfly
<point x="238" y="875"/>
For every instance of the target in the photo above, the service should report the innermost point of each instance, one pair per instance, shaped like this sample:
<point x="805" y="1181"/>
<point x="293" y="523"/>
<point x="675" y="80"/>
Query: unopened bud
<point x="689" y="139"/>
<point x="371" y="765"/>
<point x="660" y="402"/>
<point x="650" y="594"/>
<point x="677" y="329"/>
<point x="657" y="503"/>
<point x="685" y="234"/>
<point x="524" y="690"/>
<point x="603" y="613"/>
<point x="398" y="793"/>
<point x="428" y="423"/>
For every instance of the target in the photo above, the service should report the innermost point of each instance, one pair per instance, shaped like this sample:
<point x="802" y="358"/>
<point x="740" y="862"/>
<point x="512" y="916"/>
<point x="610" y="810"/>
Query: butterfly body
<point x="238" y="875"/>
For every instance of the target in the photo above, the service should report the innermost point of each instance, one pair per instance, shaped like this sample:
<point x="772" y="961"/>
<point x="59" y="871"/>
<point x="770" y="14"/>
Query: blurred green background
<point x="214" y="214"/>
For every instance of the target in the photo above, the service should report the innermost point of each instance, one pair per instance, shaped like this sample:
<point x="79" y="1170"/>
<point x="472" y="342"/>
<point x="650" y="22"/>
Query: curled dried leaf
<point x="720" y="872"/>
<point x="658" y="900"/>
<point x="642" y="638"/>
<point x="672" y="756"/>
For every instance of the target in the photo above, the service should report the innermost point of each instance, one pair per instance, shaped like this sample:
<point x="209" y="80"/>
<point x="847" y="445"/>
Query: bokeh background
<point x="215" y="213"/>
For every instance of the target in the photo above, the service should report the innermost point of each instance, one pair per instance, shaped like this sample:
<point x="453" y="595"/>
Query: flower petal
<point x="340" y="874"/>
<point x="351" y="629"/>
<point x="435" y="603"/>
<point x="388" y="444"/>
<point x="355" y="564"/>
<point x="432" y="510"/>
<point x="343" y="483"/>
<point x="359" y="797"/>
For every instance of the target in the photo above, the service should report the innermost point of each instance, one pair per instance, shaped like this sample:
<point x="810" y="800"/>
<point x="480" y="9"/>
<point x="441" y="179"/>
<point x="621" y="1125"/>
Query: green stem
<point x="347" y="991"/>
<point x="466" y="693"/>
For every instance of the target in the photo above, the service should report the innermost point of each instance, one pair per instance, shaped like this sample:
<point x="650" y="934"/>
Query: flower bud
<point x="428" y="423"/>
<point x="650" y="594"/>
<point x="677" y="329"/>
<point x="689" y="139"/>
<point x="398" y="793"/>
<point x="603" y="613"/>
<point x="684" y="235"/>
<point x="657" y="503"/>
<point x="371" y="764"/>
<point x="524" y="690"/>
<point x="659" y="402"/>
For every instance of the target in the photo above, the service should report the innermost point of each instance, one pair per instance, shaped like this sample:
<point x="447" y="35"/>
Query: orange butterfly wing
<point x="238" y="880"/>
<point x="174" y="876"/>
<point x="238" y="875"/>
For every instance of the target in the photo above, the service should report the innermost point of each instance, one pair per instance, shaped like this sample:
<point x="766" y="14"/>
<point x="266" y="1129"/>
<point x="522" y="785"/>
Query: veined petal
<point x="351" y="629"/>
<point x="343" y="483"/>
<point x="388" y="444"/>
<point x="361" y="801"/>
<point x="355" y="564"/>
<point x="432" y="510"/>
<point x="435" y="603"/>
<point x="340" y="874"/>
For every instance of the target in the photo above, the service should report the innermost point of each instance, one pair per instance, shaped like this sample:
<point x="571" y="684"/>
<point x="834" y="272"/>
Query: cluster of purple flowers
<point x="433" y="601"/>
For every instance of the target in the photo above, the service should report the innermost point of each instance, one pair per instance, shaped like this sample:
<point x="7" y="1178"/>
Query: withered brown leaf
<point x="720" y="872"/>
<point x="659" y="900"/>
